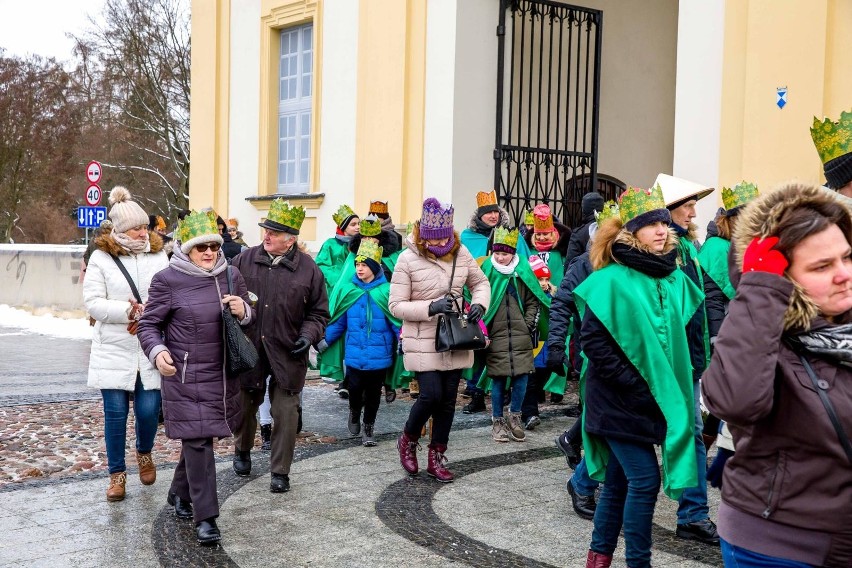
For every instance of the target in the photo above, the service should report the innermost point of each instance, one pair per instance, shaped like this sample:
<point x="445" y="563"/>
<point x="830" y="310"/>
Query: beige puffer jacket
<point x="419" y="279"/>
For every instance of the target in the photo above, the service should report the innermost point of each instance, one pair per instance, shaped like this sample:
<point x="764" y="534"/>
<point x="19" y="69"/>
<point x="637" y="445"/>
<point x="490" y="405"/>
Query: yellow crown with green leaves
<point x="369" y="249"/>
<point x="529" y="218"/>
<point x="282" y="213"/>
<point x="609" y="211"/>
<point x="371" y="226"/>
<point x="833" y="139"/>
<point x="635" y="201"/>
<point x="505" y="237"/>
<point x="739" y="195"/>
<point x="197" y="224"/>
<point x="343" y="212"/>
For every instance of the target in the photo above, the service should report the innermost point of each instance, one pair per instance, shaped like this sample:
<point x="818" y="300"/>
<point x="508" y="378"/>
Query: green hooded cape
<point x="647" y="317"/>
<point x="713" y="257"/>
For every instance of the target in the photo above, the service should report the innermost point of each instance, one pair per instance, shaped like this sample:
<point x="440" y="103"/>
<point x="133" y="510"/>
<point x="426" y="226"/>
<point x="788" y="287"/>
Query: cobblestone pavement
<point x="349" y="506"/>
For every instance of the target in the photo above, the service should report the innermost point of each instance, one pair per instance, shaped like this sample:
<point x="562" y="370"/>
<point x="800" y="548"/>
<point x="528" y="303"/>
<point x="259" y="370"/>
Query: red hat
<point x="539" y="268"/>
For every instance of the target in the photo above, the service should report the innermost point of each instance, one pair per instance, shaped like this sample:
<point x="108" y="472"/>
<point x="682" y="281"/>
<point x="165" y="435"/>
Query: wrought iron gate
<point x="546" y="146"/>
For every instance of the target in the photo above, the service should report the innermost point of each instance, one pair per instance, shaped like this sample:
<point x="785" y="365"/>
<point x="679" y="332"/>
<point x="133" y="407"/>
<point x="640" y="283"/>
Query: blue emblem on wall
<point x="781" y="93"/>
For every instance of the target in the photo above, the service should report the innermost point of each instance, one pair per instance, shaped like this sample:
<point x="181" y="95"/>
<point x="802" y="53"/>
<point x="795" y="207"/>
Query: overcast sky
<point x="40" y="26"/>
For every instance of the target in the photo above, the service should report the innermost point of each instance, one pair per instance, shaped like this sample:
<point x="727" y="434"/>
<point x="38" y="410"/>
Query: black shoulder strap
<point x="129" y="279"/>
<point x="452" y="275"/>
<point x="826" y="402"/>
<point x="230" y="281"/>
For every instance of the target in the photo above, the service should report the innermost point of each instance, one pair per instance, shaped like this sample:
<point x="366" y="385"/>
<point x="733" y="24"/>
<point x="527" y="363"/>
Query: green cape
<point x="330" y="260"/>
<point x="655" y="343"/>
<point x="344" y="296"/>
<point x="713" y="257"/>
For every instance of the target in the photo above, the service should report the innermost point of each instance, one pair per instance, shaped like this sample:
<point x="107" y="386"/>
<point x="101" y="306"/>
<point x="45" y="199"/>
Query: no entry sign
<point x="93" y="173"/>
<point x="93" y="195"/>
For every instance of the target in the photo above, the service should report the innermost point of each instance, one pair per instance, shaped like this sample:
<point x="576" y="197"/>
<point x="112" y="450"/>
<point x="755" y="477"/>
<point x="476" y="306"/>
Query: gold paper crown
<point x="486" y="198"/>
<point x="371" y="226"/>
<point x="636" y="201"/>
<point x="741" y="194"/>
<point x="369" y="249"/>
<point x="197" y="224"/>
<point x="542" y="219"/>
<point x="505" y="237"/>
<point x="283" y="213"/>
<point x="378" y="207"/>
<point x="343" y="212"/>
<point x="529" y="219"/>
<point x="833" y="139"/>
<point x="609" y="211"/>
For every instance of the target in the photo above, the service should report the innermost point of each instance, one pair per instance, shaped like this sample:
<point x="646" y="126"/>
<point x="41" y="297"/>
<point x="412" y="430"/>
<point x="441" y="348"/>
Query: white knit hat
<point x="125" y="213"/>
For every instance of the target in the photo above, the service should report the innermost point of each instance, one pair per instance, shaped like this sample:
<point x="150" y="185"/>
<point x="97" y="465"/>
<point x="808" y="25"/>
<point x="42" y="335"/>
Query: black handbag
<point x="454" y="331"/>
<point x="240" y="354"/>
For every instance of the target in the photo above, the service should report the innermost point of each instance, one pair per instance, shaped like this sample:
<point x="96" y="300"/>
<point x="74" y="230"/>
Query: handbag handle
<point x="230" y="281"/>
<point x="829" y="408"/>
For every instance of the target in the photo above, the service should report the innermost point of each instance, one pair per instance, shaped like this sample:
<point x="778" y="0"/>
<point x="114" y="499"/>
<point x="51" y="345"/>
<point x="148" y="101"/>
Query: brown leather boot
<point x="598" y="560"/>
<point x="437" y="460"/>
<point x="147" y="469"/>
<point x="407" y="447"/>
<point x="117" y="481"/>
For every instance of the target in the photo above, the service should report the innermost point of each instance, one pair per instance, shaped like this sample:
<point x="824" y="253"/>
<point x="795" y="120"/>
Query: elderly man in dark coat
<point x="291" y="315"/>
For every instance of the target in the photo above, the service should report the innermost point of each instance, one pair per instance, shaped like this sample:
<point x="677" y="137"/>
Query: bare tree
<point x="134" y="73"/>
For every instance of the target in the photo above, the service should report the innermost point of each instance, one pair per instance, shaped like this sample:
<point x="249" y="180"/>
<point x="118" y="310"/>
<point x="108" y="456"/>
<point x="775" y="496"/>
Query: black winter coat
<point x="716" y="304"/>
<point x="578" y="242"/>
<point x="618" y="402"/>
<point x="695" y="327"/>
<point x="562" y="309"/>
<point x="230" y="248"/>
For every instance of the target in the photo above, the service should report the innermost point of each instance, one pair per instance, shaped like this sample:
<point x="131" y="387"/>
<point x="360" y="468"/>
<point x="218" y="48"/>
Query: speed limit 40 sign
<point x="93" y="195"/>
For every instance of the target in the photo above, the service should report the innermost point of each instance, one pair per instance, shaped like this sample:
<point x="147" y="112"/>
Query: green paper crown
<point x="610" y="210"/>
<point x="529" y="218"/>
<point x="636" y="201"/>
<point x="369" y="249"/>
<point x="283" y="213"/>
<point x="197" y="224"/>
<point x="371" y="226"/>
<point x="741" y="194"/>
<point x="342" y="213"/>
<point x="833" y="139"/>
<point x="505" y="237"/>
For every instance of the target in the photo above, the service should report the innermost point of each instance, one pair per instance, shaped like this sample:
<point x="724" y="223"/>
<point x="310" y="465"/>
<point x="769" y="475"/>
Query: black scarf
<point x="483" y="228"/>
<point x="654" y="265"/>
<point x="833" y="343"/>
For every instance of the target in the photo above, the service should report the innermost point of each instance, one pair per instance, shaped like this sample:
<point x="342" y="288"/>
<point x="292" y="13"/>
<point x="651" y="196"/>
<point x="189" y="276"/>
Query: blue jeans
<point x="498" y="394"/>
<point x="471" y="384"/>
<point x="692" y="505"/>
<point x="628" y="499"/>
<point x="146" y="406"/>
<point x="583" y="484"/>
<point x="736" y="557"/>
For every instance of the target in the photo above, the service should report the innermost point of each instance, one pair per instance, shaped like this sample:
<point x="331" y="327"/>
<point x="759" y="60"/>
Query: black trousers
<point x="535" y="386"/>
<point x="438" y="391"/>
<point x="195" y="478"/>
<point x="365" y="391"/>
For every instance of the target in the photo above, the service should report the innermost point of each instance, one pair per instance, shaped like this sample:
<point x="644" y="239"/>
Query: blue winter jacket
<point x="370" y="335"/>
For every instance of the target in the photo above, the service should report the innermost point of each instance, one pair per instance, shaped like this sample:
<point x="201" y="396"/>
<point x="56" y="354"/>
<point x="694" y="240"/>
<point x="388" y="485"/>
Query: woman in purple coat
<point x="181" y="333"/>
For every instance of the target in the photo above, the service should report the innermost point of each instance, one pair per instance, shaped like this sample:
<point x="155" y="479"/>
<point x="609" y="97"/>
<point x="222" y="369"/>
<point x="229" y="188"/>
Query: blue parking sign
<point x="90" y="217"/>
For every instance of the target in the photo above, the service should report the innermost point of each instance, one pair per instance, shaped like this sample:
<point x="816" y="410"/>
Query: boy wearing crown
<point x="332" y="255"/>
<point x="361" y="318"/>
<point x="511" y="319"/>
<point x="291" y="315"/>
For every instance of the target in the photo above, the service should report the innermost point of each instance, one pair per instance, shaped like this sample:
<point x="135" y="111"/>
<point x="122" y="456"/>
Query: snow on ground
<point x="23" y="321"/>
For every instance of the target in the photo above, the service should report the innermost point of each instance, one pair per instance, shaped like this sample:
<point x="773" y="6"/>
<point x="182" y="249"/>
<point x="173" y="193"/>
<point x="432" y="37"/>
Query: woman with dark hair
<point x="780" y="376"/>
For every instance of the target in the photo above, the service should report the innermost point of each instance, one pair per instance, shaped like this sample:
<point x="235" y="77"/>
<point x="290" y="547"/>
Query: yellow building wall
<point x="803" y="45"/>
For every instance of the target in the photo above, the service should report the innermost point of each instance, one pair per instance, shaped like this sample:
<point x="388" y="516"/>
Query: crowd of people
<point x="755" y="322"/>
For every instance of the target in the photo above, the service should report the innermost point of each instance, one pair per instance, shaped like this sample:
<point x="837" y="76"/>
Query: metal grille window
<point x="295" y="74"/>
<point x="548" y="90"/>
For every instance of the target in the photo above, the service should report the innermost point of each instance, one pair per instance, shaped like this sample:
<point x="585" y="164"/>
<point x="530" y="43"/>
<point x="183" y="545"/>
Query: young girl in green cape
<point x="638" y="390"/>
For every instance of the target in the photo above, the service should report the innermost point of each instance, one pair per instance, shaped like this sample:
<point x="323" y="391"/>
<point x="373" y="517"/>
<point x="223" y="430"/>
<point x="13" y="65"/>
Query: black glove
<point x="475" y="313"/>
<point x="322" y="346"/>
<point x="302" y="345"/>
<point x="556" y="362"/>
<point x="442" y="306"/>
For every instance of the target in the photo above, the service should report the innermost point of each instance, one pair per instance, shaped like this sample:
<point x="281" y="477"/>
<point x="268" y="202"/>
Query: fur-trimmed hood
<point x="109" y="245"/>
<point x="625" y="237"/>
<point x="504" y="220"/>
<point x="760" y="218"/>
<point x="415" y="244"/>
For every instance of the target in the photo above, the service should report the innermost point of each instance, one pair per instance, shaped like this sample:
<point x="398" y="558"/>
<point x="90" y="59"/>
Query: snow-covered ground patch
<point x="24" y="321"/>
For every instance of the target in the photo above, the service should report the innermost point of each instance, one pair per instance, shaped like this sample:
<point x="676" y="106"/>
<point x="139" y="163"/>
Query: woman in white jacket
<point x="117" y="365"/>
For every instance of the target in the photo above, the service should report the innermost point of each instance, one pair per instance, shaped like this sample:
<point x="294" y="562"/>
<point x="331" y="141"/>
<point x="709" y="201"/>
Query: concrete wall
<point x="41" y="275"/>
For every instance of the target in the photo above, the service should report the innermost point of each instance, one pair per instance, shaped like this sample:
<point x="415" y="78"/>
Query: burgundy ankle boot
<point x="598" y="560"/>
<point x="407" y="447"/>
<point x="437" y="460"/>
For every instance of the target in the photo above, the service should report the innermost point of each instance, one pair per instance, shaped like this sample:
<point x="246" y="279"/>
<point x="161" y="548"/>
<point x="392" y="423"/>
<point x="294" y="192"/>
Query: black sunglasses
<point x="212" y="246"/>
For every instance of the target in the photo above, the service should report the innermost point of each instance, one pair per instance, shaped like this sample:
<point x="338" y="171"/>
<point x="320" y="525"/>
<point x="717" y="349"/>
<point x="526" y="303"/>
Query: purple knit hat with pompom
<point x="437" y="220"/>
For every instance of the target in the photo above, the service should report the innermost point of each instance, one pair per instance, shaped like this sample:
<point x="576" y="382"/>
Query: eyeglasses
<point x="212" y="246"/>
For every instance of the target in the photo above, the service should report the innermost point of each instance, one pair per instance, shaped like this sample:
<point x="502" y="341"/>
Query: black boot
<point x="207" y="532"/>
<point x="266" y="437"/>
<point x="354" y="423"/>
<point x="183" y="509"/>
<point x="242" y="463"/>
<point x="299" y="425"/>
<point x="476" y="404"/>
<point x="280" y="483"/>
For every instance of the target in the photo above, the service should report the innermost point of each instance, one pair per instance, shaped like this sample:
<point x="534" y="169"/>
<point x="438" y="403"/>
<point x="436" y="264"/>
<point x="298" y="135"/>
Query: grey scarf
<point x="833" y="343"/>
<point x="133" y="246"/>
<point x="180" y="261"/>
